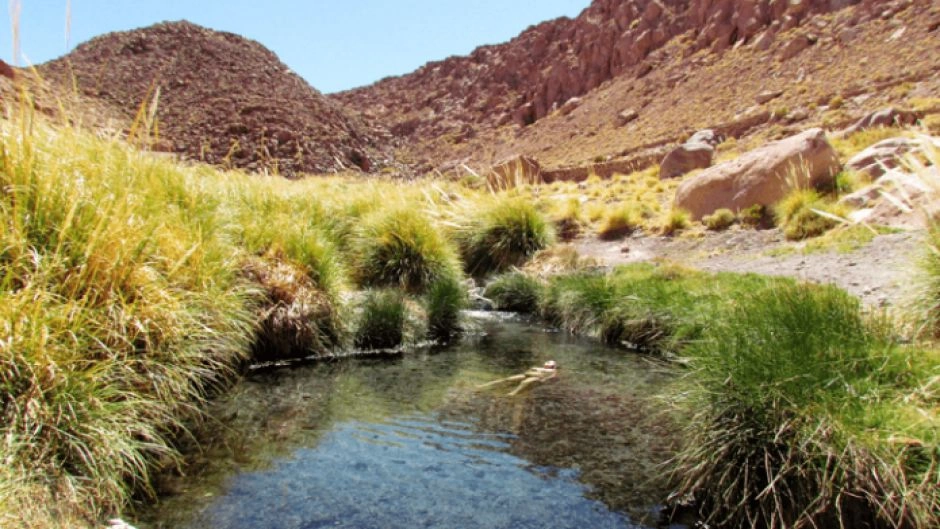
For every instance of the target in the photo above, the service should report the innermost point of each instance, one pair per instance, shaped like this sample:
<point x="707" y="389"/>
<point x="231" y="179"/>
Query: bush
<point x="620" y="222"/>
<point x="401" y="248"/>
<point x="676" y="221"/>
<point x="444" y="301"/>
<point x="721" y="219"/>
<point x="503" y="233"/>
<point x="515" y="292"/>
<point x="382" y="320"/>
<point x="568" y="219"/>
<point x="798" y="214"/>
<point x="756" y="216"/>
<point x="797" y="403"/>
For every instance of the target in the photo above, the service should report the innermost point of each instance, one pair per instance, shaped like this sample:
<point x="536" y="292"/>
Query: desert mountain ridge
<point x="618" y="85"/>
<point x="222" y="99"/>
<point x="627" y="76"/>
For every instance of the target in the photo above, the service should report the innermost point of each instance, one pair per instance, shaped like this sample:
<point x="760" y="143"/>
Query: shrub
<point x="803" y="214"/>
<point x="382" y="320"/>
<point x="756" y="216"/>
<point x="676" y="221"/>
<point x="516" y="292"/>
<point x="622" y="221"/>
<point x="720" y="220"/>
<point x="401" y="248"/>
<point x="797" y="404"/>
<point x="444" y="301"/>
<point x="503" y="233"/>
<point x="568" y="219"/>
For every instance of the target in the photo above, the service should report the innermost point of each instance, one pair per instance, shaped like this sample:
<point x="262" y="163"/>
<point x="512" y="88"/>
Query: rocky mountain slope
<point x="222" y="99"/>
<point x="629" y="75"/>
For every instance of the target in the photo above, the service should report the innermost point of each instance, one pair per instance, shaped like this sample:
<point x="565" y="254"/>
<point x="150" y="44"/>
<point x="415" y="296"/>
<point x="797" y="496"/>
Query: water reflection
<point x="411" y="443"/>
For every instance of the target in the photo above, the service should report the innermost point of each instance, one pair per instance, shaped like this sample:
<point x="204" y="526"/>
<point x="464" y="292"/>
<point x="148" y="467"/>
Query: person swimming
<point x="549" y="370"/>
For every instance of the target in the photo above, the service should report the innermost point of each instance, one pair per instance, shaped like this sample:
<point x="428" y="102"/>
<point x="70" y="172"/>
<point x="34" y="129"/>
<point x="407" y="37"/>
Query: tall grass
<point x="501" y="232"/>
<point x="402" y="248"/>
<point x="121" y="306"/>
<point x="648" y="307"/>
<point x="806" y="414"/>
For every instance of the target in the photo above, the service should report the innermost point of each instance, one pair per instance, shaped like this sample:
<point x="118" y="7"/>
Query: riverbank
<point x="133" y="287"/>
<point x="802" y="406"/>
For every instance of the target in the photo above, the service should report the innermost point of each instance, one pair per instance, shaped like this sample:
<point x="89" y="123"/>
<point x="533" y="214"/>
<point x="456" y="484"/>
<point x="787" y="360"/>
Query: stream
<point x="411" y="442"/>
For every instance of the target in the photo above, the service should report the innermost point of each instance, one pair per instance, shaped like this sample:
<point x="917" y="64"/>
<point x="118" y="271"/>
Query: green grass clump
<point x="402" y="248"/>
<point x="721" y="219"/>
<point x="515" y="292"/>
<point x="647" y="307"/>
<point x="803" y="214"/>
<point x="501" y="233"/>
<point x="444" y="301"/>
<point x="382" y="320"/>
<point x="806" y="414"/>
<point x="122" y="306"/>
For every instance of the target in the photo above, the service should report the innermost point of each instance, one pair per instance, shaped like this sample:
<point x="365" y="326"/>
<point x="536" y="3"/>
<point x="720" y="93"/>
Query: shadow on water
<point x="411" y="442"/>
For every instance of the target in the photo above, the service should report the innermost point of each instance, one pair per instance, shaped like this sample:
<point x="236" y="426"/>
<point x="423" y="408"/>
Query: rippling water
<point x="412" y="443"/>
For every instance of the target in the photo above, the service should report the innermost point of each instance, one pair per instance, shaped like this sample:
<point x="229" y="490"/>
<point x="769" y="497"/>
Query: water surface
<point x="411" y="442"/>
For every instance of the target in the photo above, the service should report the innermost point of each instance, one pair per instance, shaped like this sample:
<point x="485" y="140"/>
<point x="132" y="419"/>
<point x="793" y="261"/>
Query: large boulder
<point x="686" y="158"/>
<point x="884" y="155"/>
<point x="762" y="176"/>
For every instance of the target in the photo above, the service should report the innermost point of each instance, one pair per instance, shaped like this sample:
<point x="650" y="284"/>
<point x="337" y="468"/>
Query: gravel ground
<point x="879" y="273"/>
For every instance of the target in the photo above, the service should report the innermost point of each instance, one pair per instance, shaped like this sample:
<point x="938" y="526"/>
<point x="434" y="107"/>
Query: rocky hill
<point x="629" y="75"/>
<point x="222" y="99"/>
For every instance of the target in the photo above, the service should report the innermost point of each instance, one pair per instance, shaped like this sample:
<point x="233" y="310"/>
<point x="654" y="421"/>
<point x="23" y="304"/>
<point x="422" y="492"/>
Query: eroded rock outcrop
<point x="549" y="64"/>
<point x="762" y="176"/>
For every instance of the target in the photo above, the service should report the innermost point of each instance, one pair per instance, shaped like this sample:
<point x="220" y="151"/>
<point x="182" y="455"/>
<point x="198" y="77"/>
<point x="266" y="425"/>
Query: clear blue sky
<point x="334" y="44"/>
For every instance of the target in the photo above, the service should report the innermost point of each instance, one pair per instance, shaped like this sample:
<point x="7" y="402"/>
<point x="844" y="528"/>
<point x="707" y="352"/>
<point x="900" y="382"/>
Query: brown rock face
<point x="223" y="99"/>
<point x="762" y="176"/>
<point x="531" y="76"/>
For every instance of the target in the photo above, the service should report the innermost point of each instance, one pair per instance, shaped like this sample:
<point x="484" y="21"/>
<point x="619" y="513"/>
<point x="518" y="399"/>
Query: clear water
<point x="411" y="442"/>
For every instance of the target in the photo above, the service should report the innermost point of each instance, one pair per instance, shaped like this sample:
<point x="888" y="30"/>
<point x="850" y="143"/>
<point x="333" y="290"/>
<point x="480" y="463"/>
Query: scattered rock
<point x="685" y="158"/>
<point x="768" y="95"/>
<point x="794" y="47"/>
<point x="6" y="70"/>
<point x="569" y="106"/>
<point x="884" y="155"/>
<point x="762" y="176"/>
<point x="706" y="136"/>
<point x="627" y="116"/>
<point x="911" y="204"/>
<point x="888" y="117"/>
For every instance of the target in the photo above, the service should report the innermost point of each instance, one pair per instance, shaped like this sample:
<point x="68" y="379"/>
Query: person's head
<point x="551" y="364"/>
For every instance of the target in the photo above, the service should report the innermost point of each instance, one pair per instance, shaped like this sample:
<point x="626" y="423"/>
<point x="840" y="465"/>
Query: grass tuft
<point x="720" y="220"/>
<point x="444" y="301"/>
<point x="382" y="320"/>
<point x="803" y="214"/>
<point x="804" y="415"/>
<point x="402" y="248"/>
<point x="501" y="233"/>
<point x="515" y="292"/>
<point x="620" y="222"/>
